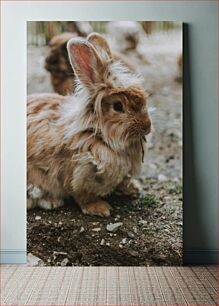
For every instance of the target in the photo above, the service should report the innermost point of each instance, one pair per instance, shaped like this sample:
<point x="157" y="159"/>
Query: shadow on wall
<point x="191" y="210"/>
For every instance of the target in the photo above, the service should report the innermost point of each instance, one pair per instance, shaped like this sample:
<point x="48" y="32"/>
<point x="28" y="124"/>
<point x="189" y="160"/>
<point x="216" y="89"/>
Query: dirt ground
<point x="148" y="230"/>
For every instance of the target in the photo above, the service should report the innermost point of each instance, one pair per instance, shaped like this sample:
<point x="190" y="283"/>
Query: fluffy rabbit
<point x="57" y="64"/>
<point x="91" y="143"/>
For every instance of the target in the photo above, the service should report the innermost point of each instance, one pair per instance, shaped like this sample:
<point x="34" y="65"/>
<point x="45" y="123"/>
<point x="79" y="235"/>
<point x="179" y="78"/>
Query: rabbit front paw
<point x="34" y="193"/>
<point x="129" y="187"/>
<point x="50" y="203"/>
<point x="31" y="203"/>
<point x="98" y="208"/>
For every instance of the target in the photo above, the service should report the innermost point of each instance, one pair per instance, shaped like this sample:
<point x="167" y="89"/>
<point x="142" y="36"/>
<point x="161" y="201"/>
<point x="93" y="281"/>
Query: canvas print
<point x="104" y="143"/>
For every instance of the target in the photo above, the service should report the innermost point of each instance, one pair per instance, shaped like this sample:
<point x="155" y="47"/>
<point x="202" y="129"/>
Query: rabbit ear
<point x="101" y="44"/>
<point x="85" y="61"/>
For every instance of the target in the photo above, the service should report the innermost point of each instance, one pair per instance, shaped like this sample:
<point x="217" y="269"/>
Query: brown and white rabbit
<point x="57" y="64"/>
<point x="89" y="144"/>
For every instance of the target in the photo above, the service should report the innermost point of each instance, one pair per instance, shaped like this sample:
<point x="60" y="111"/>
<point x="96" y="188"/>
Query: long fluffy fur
<point x="77" y="148"/>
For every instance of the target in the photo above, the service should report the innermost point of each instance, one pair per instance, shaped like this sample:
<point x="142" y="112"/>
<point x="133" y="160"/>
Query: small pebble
<point x="59" y="253"/>
<point x="160" y="257"/>
<point x="135" y="230"/>
<point x="108" y="244"/>
<point x="37" y="218"/>
<point x="142" y="222"/>
<point x="97" y="229"/>
<point x="64" y="262"/>
<point x="102" y="242"/>
<point x="133" y="253"/>
<point x="82" y="230"/>
<point x="130" y="235"/>
<point x="32" y="260"/>
<point x="113" y="227"/>
<point x="117" y="217"/>
<point x="124" y="240"/>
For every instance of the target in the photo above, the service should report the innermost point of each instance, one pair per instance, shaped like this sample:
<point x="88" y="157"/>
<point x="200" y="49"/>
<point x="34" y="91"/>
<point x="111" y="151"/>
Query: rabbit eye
<point x="118" y="107"/>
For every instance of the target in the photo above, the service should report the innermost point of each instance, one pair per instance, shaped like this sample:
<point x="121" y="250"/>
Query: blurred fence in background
<point x="39" y="33"/>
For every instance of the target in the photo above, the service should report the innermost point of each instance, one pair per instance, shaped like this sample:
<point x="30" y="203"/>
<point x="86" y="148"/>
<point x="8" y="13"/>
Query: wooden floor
<point x="22" y="285"/>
